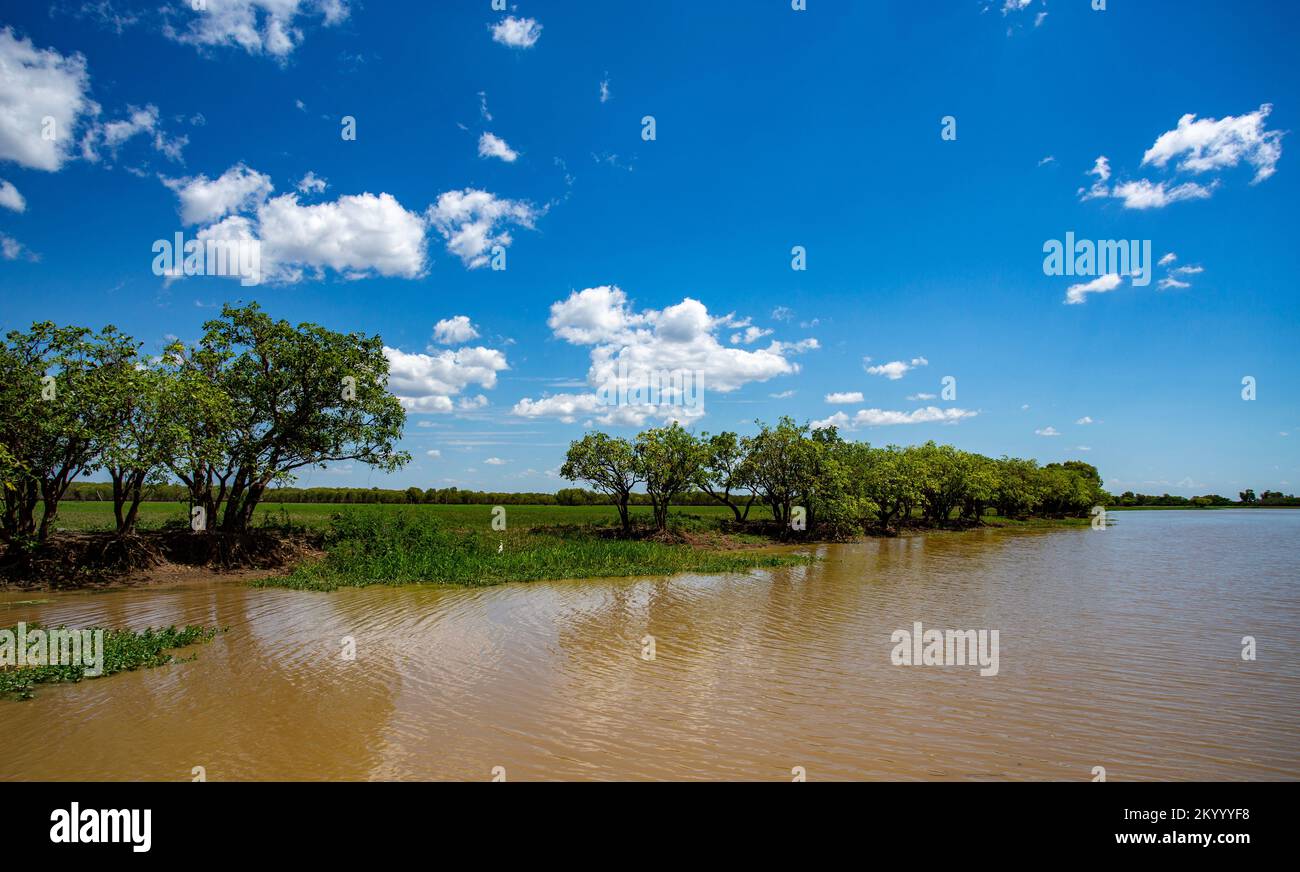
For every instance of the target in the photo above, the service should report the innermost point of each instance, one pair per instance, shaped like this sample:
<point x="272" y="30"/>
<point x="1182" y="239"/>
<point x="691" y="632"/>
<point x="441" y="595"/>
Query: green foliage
<point x="366" y="547"/>
<point x="124" y="650"/>
<point x="55" y="415"/>
<point x="610" y="464"/>
<point x="668" y="460"/>
<point x="296" y="397"/>
<point x="253" y="402"/>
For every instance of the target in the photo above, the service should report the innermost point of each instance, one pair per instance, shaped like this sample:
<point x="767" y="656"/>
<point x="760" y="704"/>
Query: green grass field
<point x="84" y="516"/>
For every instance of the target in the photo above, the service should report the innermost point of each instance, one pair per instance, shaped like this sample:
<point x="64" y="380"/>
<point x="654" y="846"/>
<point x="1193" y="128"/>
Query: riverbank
<point x="395" y="545"/>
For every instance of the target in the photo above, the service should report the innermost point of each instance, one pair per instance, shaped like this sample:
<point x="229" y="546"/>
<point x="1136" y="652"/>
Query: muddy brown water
<point x="1118" y="648"/>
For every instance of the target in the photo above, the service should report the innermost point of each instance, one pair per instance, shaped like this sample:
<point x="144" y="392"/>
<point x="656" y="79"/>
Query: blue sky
<point x="774" y="128"/>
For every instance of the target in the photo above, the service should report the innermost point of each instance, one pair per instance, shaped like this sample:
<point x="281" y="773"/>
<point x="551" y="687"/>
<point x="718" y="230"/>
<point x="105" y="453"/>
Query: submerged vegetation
<point x="123" y="651"/>
<point x="365" y="547"/>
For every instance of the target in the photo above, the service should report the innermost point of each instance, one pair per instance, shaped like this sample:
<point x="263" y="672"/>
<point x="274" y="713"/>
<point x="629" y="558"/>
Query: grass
<point x="88" y="516"/>
<point x="124" y="651"/>
<point x="380" y="546"/>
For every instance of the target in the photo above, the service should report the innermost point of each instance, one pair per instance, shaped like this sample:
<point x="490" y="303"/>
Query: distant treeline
<point x="574" y="496"/>
<point x="1245" y="498"/>
<point x="450" y="496"/>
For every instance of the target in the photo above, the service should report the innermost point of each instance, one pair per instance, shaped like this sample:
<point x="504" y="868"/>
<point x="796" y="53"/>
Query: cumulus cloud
<point x="271" y="27"/>
<point x="434" y="453"/>
<point x="517" y="32"/>
<point x="454" y="331"/>
<point x="1195" y="146"/>
<point x="896" y="369"/>
<point x="1075" y="294"/>
<point x="495" y="461"/>
<point x="890" y="418"/>
<point x="312" y="184"/>
<point x="844" y="397"/>
<point x="432" y="382"/>
<point x="1047" y="431"/>
<point x="1086" y="419"/>
<point x="205" y="200"/>
<point x="1211" y="144"/>
<point x="491" y="145"/>
<point x="355" y="235"/>
<point x="473" y="221"/>
<point x="627" y="343"/>
<point x="1167" y="259"/>
<point x="36" y="85"/>
<point x="10" y="198"/>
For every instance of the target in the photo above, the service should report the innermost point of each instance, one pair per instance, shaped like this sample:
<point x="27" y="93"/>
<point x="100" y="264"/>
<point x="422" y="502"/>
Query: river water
<point x="1119" y="648"/>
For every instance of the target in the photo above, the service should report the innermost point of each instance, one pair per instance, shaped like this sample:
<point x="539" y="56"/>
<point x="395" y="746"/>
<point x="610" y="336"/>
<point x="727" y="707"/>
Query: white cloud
<point x="604" y="89"/>
<point x="1047" y="160"/>
<point x="495" y="461"/>
<point x="566" y="407"/>
<point x="1189" y="270"/>
<point x="922" y="397"/>
<point x="10" y="198"/>
<point x="1169" y="282"/>
<point x="782" y="395"/>
<point x="1047" y="431"/>
<point x="1210" y="144"/>
<point x="490" y="145"/>
<point x="472" y="221"/>
<point x="454" y="331"/>
<point x="895" y="369"/>
<point x="355" y="234"/>
<point x="1100" y="285"/>
<point x="844" y="397"/>
<point x="38" y="84"/>
<point x="114" y="134"/>
<point x="1084" y="420"/>
<point x="626" y="343"/>
<point x="750" y="335"/>
<point x="1167" y="259"/>
<point x="205" y="200"/>
<point x="430" y="382"/>
<point x="12" y="249"/>
<point x="312" y="184"/>
<point x="890" y="418"/>
<point x="257" y="26"/>
<point x="517" y="32"/>
<point x="1145" y="194"/>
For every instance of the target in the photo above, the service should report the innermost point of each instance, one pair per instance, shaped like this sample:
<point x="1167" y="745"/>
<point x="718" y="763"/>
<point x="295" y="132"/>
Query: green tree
<point x="294" y="397"/>
<point x="54" y="416"/>
<point x="779" y="464"/>
<point x="723" y="472"/>
<point x="609" y="464"/>
<point x="668" y="460"/>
